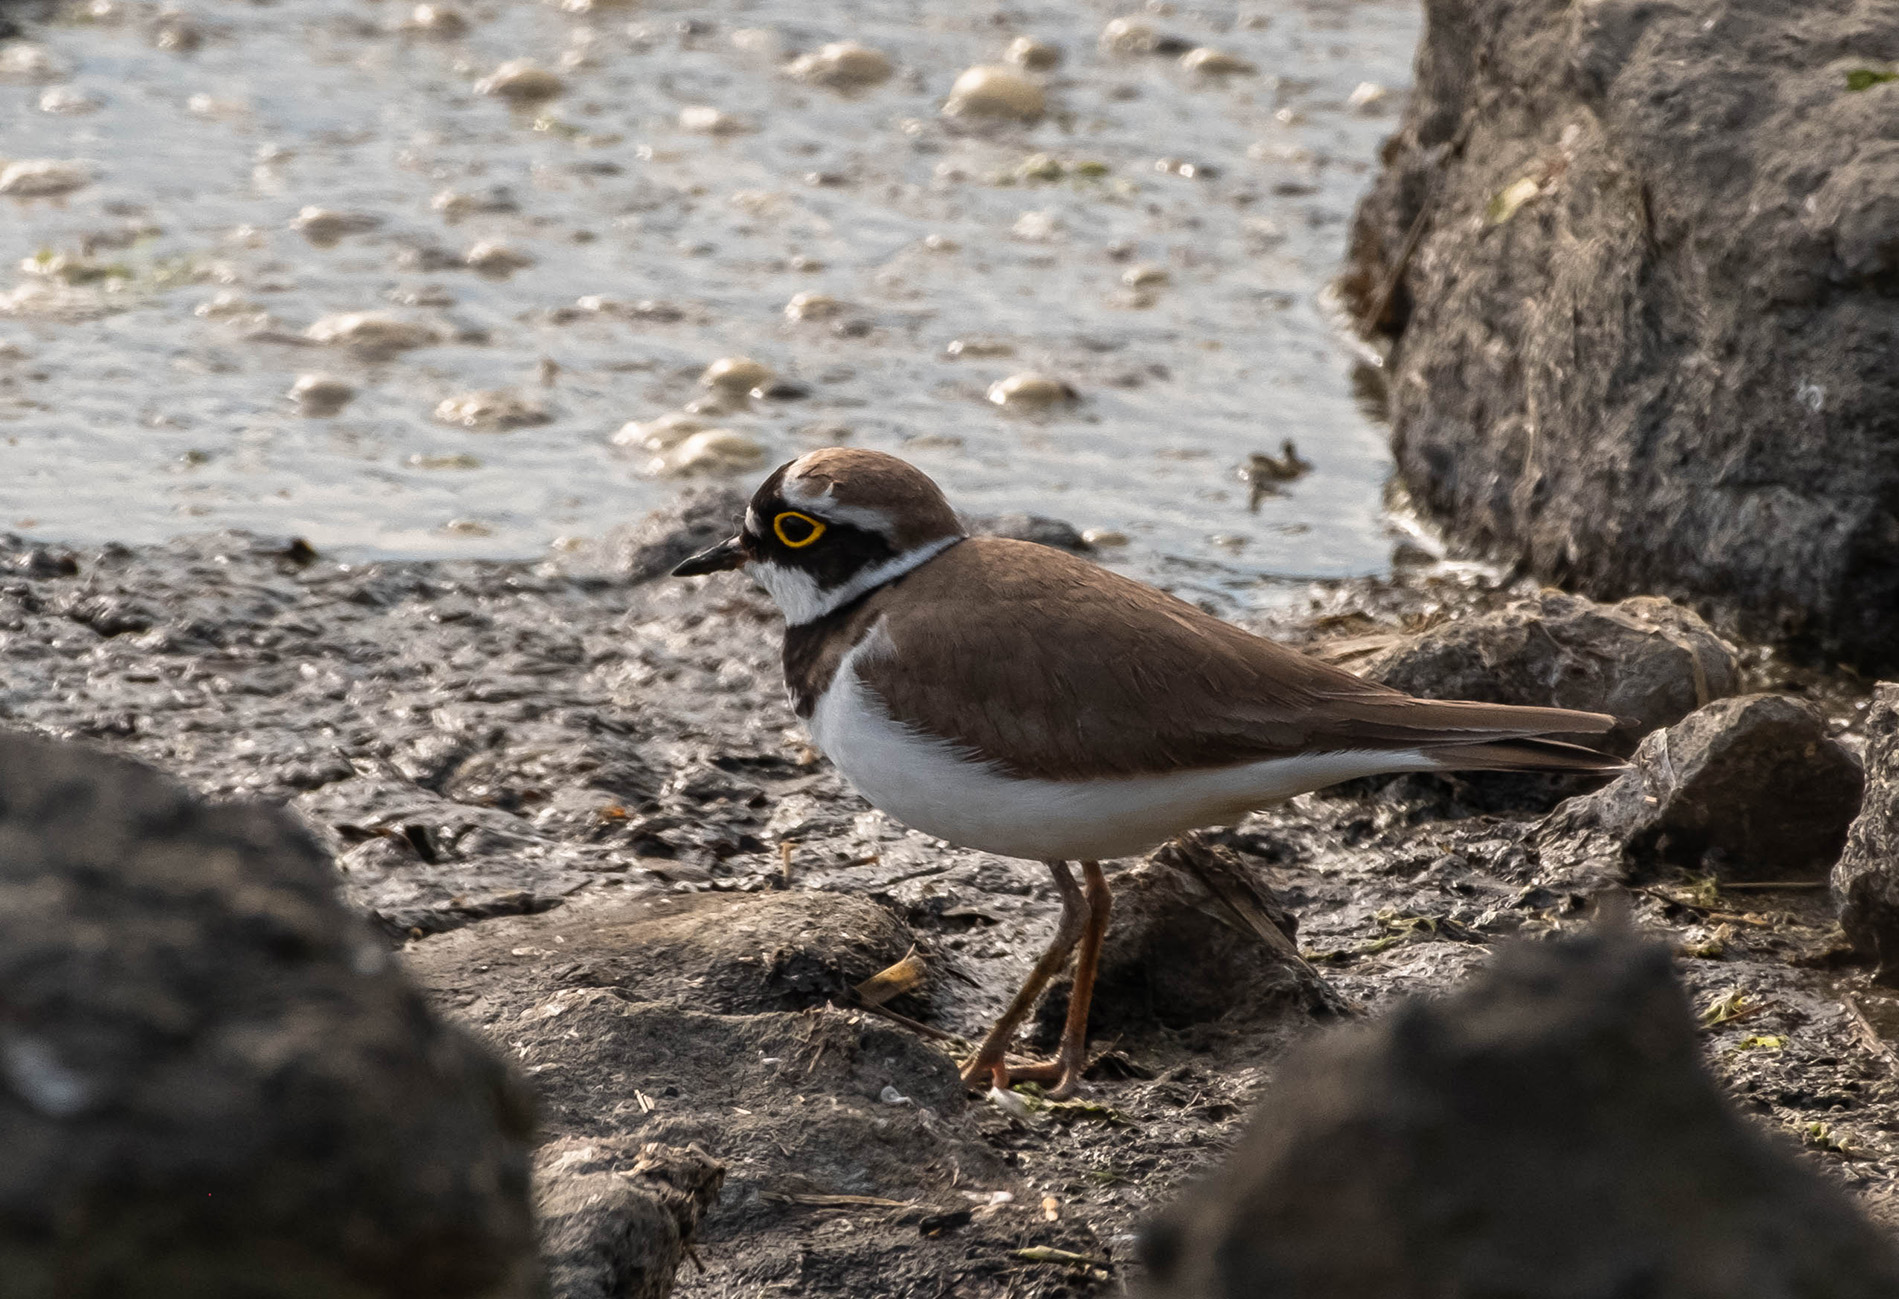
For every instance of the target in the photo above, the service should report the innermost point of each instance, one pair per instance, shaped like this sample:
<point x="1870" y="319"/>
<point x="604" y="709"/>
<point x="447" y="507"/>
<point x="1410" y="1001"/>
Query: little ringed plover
<point x="1019" y="700"/>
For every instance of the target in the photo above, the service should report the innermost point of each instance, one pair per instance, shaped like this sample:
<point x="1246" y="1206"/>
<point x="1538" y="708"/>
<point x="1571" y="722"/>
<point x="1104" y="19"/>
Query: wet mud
<point x="580" y="807"/>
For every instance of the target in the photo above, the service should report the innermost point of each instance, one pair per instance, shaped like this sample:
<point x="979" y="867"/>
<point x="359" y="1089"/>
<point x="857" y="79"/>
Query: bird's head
<point x="831" y="526"/>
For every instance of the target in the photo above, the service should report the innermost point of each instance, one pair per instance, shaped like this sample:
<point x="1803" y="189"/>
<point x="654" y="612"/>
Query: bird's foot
<point x="1062" y="1078"/>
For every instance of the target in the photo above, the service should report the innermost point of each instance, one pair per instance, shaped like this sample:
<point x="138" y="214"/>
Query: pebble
<point x="736" y="374"/>
<point x="437" y="20"/>
<point x="710" y="451"/>
<point x="323" y="226"/>
<point x="318" y="395"/>
<point x="67" y="101"/>
<point x="842" y="65"/>
<point x="1036" y="227"/>
<point x="1104" y="537"/>
<point x="43" y="177"/>
<point x="226" y="302"/>
<point x="1146" y="275"/>
<point x="491" y="411"/>
<point x="657" y="435"/>
<point x="374" y="333"/>
<point x="495" y="260"/>
<point x="1036" y="56"/>
<point x="1129" y="36"/>
<point x="994" y="91"/>
<point x="813" y="306"/>
<point x="763" y="42"/>
<point x="1209" y="62"/>
<point x="25" y="61"/>
<point x="975" y="348"/>
<point x="521" y="81"/>
<point x="703" y="119"/>
<point x="1030" y="391"/>
<point x="1365" y="96"/>
<point x="941" y="244"/>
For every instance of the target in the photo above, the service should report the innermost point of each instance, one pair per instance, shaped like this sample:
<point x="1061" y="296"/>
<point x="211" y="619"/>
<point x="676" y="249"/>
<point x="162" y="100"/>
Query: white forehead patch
<point x="803" y="494"/>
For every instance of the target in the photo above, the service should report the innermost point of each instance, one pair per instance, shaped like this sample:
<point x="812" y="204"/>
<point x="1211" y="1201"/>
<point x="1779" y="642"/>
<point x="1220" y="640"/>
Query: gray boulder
<point x="1646" y="661"/>
<point x="1546" y="1132"/>
<point x="1866" y="880"/>
<point x="214" y="1078"/>
<point x="1636" y="265"/>
<point x="1751" y="788"/>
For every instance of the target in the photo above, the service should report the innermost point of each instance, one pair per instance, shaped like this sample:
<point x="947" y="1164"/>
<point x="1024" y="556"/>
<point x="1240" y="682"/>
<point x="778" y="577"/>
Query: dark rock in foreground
<point x="1751" y="788"/>
<point x="214" y="1079"/>
<point x="616" y="1222"/>
<point x="1546" y="1132"/>
<point x="1199" y="897"/>
<point x="1637" y="265"/>
<point x="1646" y="662"/>
<point x="1866" y="880"/>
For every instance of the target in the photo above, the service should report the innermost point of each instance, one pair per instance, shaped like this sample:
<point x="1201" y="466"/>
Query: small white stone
<point x="372" y="332"/>
<point x="491" y="411"/>
<point x="24" y="61"/>
<point x="703" y="119"/>
<point x="495" y="260"/>
<point x="323" y="226"/>
<point x="813" y="306"/>
<point x="736" y="374"/>
<point x="224" y="303"/>
<point x="1104" y="537"/>
<point x="842" y="65"/>
<point x="66" y="101"/>
<point x="437" y="20"/>
<point x="762" y="42"/>
<point x="318" y="395"/>
<point x="44" y="177"/>
<point x="1036" y="227"/>
<point x="995" y="91"/>
<point x="1128" y="36"/>
<point x="1036" y="56"/>
<point x="661" y="434"/>
<point x="710" y="451"/>
<point x="1030" y="391"/>
<point x="1365" y="96"/>
<point x="521" y="81"/>
<point x="941" y="244"/>
<point x="1145" y="275"/>
<point x="1209" y="62"/>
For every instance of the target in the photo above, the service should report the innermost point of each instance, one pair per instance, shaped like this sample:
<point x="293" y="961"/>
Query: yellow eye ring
<point x="797" y="538"/>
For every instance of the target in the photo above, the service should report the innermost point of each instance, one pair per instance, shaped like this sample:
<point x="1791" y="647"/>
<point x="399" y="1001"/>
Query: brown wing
<point x="1046" y="663"/>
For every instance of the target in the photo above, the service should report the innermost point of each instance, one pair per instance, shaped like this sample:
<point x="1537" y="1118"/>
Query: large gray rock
<point x="1547" y="1132"/>
<point x="214" y="1079"/>
<point x="1646" y="661"/>
<point x="1751" y="788"/>
<point x="1866" y="880"/>
<point x="1636" y="261"/>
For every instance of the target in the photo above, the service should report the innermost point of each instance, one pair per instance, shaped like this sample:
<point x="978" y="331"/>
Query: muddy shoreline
<point x="510" y="760"/>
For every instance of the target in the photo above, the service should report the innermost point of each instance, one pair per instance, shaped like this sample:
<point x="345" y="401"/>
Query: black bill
<point x="728" y="554"/>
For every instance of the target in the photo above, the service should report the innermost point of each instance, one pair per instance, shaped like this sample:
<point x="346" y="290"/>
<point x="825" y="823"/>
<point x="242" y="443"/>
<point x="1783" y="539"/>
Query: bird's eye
<point x="797" y="530"/>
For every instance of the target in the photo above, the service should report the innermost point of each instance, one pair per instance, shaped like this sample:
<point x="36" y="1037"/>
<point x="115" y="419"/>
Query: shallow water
<point x="143" y="381"/>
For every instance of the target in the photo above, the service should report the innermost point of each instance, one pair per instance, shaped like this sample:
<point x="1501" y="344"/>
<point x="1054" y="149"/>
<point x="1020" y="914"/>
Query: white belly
<point x="929" y="785"/>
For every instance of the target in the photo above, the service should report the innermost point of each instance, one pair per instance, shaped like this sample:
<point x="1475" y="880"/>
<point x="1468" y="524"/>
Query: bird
<point x="1023" y="701"/>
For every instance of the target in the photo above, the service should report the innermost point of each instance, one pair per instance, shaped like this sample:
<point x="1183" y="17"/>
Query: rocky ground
<point x="575" y="799"/>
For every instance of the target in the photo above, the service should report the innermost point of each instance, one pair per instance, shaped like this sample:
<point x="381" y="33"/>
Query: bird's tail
<point x="1530" y="753"/>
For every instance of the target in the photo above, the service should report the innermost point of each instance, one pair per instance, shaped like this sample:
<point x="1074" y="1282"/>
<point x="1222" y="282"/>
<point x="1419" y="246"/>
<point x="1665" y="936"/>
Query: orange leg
<point x="989" y="1063"/>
